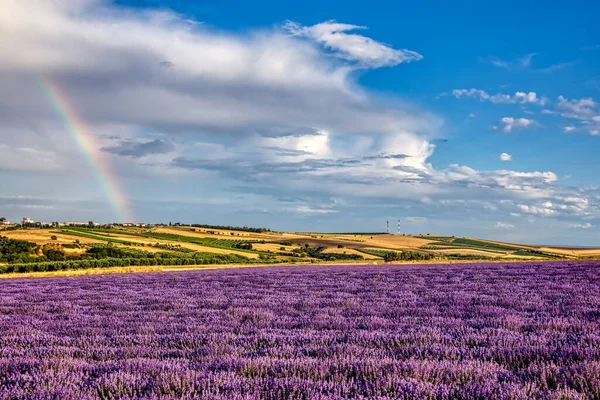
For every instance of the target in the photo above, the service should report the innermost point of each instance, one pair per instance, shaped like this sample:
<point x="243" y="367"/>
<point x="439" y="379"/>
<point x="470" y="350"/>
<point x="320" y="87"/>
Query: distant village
<point x="28" y="222"/>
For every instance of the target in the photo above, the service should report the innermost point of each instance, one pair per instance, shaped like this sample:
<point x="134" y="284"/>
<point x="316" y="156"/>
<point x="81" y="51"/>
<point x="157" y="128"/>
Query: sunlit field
<point x="470" y="331"/>
<point x="55" y="250"/>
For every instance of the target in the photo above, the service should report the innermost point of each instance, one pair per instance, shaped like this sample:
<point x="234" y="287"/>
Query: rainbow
<point x="83" y="136"/>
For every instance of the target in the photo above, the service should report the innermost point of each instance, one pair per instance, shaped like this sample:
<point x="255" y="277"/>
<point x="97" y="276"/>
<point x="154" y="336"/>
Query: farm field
<point x="43" y="236"/>
<point x="334" y="250"/>
<point x="470" y="331"/>
<point x="573" y="252"/>
<point x="71" y="248"/>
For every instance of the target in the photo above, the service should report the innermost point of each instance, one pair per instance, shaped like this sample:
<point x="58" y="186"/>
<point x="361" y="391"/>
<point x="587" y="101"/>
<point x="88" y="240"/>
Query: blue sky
<point x="468" y="119"/>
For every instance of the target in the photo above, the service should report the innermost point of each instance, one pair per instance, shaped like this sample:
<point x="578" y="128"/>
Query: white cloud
<point x="537" y="210"/>
<point x="529" y="98"/>
<point x="500" y="98"/>
<point x="25" y="158"/>
<point x="510" y="123"/>
<point x="504" y="225"/>
<point x="581" y="226"/>
<point x="577" y="108"/>
<point x="591" y="48"/>
<point x="525" y="63"/>
<point x="418" y="220"/>
<point x="309" y="210"/>
<point x="556" y="67"/>
<point x="520" y="63"/>
<point x="505" y="157"/>
<point x="264" y="84"/>
<point x="568" y="129"/>
<point x="585" y="110"/>
<point x="353" y="47"/>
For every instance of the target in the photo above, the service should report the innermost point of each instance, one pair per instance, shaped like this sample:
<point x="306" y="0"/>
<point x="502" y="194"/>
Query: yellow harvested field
<point x="566" y="252"/>
<point x="396" y="242"/>
<point x="588" y="252"/>
<point x="74" y="252"/>
<point x="350" y="238"/>
<point x="44" y="236"/>
<point x="333" y="250"/>
<point x="273" y="247"/>
<point x="572" y="252"/>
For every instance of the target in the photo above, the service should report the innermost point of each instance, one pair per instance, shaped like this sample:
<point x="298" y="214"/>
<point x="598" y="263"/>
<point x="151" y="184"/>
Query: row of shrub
<point x="317" y="252"/>
<point x="232" y="228"/>
<point x="407" y="256"/>
<point x="197" y="259"/>
<point x="374" y="252"/>
<point x="458" y="256"/>
<point x="100" y="251"/>
<point x="173" y="247"/>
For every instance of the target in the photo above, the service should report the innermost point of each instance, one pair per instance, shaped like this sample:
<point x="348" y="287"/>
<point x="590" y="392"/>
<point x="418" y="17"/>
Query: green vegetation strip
<point x="374" y="252"/>
<point x="403" y="255"/>
<point x="94" y="236"/>
<point x="103" y="234"/>
<point x="450" y="246"/>
<point x="438" y="238"/>
<point x="535" y="253"/>
<point x="485" y="245"/>
<point x="196" y="259"/>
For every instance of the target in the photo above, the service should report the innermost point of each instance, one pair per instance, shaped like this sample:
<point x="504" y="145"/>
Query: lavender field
<point x="474" y="331"/>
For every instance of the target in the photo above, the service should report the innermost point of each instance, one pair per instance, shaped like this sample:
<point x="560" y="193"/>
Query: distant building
<point x="128" y="224"/>
<point x="27" y="221"/>
<point x="4" y="222"/>
<point x="142" y="225"/>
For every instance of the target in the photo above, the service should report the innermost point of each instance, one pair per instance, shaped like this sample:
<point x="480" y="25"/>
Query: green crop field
<point x="94" y="236"/>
